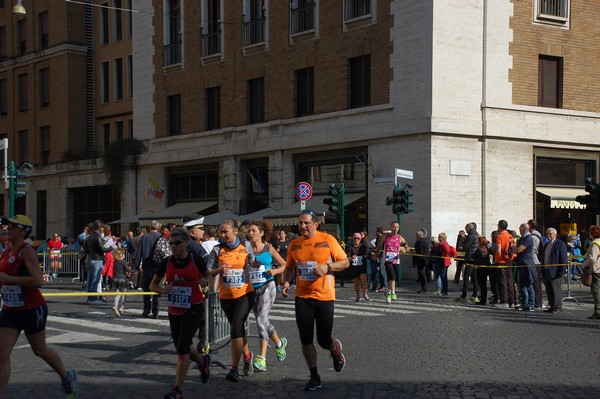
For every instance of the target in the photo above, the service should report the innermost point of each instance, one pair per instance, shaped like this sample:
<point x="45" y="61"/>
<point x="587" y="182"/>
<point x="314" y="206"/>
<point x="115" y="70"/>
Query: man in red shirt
<point x="54" y="247"/>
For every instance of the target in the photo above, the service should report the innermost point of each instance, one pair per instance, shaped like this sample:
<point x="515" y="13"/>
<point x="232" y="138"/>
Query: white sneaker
<point x="116" y="312"/>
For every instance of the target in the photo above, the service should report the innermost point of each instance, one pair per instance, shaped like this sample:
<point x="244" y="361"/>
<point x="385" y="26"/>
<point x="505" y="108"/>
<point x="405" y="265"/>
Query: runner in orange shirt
<point x="314" y="256"/>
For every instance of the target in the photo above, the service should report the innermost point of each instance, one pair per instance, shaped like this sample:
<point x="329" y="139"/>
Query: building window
<point x="305" y="91"/>
<point x="356" y="8"/>
<point x="105" y="81"/>
<point x="130" y="128"/>
<point x="129" y="76"/>
<point x="550" y="81"/>
<point x="45" y="145"/>
<point x="104" y="37"/>
<point x="118" y="7"/>
<point x="118" y="79"/>
<point x="105" y="134"/>
<point x="3" y="98"/>
<point x="198" y="186"/>
<point x="211" y="27"/>
<point x="23" y="146"/>
<point x="256" y="100"/>
<point x="174" y="115"/>
<point x="22" y="90"/>
<point x="129" y="19"/>
<point x="119" y="130"/>
<point x="22" y="32"/>
<point x="360" y="81"/>
<point x="173" y="44"/>
<point x="302" y="14"/>
<point x="254" y="22"/>
<point x="44" y="32"/>
<point x="44" y="87"/>
<point x="3" y="56"/>
<point x="554" y="12"/>
<point x="213" y="108"/>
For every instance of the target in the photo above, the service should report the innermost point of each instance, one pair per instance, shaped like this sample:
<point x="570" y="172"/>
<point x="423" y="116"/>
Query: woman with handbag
<point x="592" y="262"/>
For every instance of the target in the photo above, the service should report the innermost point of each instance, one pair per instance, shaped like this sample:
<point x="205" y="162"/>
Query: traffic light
<point x="334" y="200"/>
<point x="20" y="183"/>
<point x="409" y="203"/>
<point x="16" y="184"/>
<point x="399" y="205"/>
<point x="401" y="200"/>
<point x="592" y="200"/>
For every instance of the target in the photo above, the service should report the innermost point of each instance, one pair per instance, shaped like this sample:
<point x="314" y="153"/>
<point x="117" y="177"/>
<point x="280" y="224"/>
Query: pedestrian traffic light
<point x="334" y="199"/>
<point x="592" y="200"/>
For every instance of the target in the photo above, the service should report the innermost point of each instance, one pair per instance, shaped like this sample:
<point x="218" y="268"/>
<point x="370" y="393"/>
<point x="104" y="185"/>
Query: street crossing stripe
<point x="98" y="325"/>
<point x="347" y="310"/>
<point x="68" y="337"/>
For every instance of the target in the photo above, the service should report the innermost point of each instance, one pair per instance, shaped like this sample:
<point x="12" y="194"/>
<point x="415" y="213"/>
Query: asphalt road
<point x="420" y="346"/>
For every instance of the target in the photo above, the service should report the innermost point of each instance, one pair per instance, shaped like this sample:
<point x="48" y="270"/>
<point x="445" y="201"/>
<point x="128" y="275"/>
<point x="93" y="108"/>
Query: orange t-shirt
<point x="236" y="282"/>
<point x="306" y="254"/>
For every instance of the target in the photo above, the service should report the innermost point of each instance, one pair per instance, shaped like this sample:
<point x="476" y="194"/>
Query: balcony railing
<point x="172" y="53"/>
<point x="357" y="8"/>
<point x="254" y="32"/>
<point x="303" y="18"/>
<point x="211" y="43"/>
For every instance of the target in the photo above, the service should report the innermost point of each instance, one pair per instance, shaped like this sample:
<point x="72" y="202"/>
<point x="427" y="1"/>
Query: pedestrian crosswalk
<point x="98" y="324"/>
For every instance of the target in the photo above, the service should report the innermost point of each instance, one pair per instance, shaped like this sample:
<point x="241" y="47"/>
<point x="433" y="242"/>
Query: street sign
<point x="304" y="191"/>
<point x="403" y="174"/>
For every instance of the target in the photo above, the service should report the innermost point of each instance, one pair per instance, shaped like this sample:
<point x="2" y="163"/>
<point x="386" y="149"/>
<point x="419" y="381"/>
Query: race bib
<point x="180" y="297"/>
<point x="257" y="276"/>
<point x="12" y="295"/>
<point x="391" y="257"/>
<point x="358" y="261"/>
<point x="306" y="271"/>
<point x="234" y="278"/>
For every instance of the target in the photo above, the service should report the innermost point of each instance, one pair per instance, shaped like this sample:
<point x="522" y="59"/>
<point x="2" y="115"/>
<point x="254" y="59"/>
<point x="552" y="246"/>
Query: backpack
<point x="161" y="250"/>
<point x="453" y="252"/>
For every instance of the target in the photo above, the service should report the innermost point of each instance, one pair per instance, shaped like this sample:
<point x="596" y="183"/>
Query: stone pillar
<point x="229" y="184"/>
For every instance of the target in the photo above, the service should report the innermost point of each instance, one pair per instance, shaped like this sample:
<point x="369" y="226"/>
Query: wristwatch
<point x="329" y="268"/>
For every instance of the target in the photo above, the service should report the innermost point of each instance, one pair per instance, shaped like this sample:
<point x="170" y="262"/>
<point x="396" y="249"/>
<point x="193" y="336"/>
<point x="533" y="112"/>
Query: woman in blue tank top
<point x="261" y="276"/>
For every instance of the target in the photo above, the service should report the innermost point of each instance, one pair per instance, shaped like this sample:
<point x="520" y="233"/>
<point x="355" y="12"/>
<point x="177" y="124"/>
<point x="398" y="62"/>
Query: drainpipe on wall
<point x="483" y="120"/>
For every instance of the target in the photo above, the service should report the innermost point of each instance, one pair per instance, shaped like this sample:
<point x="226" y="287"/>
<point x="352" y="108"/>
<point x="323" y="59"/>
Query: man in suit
<point x="555" y="261"/>
<point x="142" y="260"/>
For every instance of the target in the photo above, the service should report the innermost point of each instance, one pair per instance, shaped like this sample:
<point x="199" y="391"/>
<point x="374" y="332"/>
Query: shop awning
<point x="213" y="219"/>
<point x="563" y="197"/>
<point x="180" y="210"/>
<point x="263" y="213"/>
<point x="289" y="216"/>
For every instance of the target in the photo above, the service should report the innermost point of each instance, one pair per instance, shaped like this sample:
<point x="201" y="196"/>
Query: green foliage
<point x="117" y="152"/>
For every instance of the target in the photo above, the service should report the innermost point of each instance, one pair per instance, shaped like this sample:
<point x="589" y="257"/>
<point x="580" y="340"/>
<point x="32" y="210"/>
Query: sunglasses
<point x="310" y="212"/>
<point x="175" y="243"/>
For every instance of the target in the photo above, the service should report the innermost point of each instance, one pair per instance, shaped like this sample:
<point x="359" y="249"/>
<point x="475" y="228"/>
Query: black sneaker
<point x="233" y="376"/>
<point x="313" y="384"/>
<point x="339" y="361"/>
<point x="204" y="369"/>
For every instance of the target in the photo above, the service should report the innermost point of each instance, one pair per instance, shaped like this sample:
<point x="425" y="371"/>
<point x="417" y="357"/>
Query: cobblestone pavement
<point x="421" y="346"/>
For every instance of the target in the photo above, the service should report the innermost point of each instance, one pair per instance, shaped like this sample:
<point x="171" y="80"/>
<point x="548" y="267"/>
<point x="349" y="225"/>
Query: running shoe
<point x="121" y="310"/>
<point x="357" y="299"/>
<point x="388" y="298"/>
<point x="174" y="394"/>
<point x="281" y="350"/>
<point x="366" y="296"/>
<point x="260" y="363"/>
<point x="248" y="367"/>
<point x="339" y="361"/>
<point x="394" y="296"/>
<point x="205" y="368"/>
<point x="116" y="311"/>
<point x="233" y="376"/>
<point x="70" y="384"/>
<point x="314" y="383"/>
<point x="474" y="299"/>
